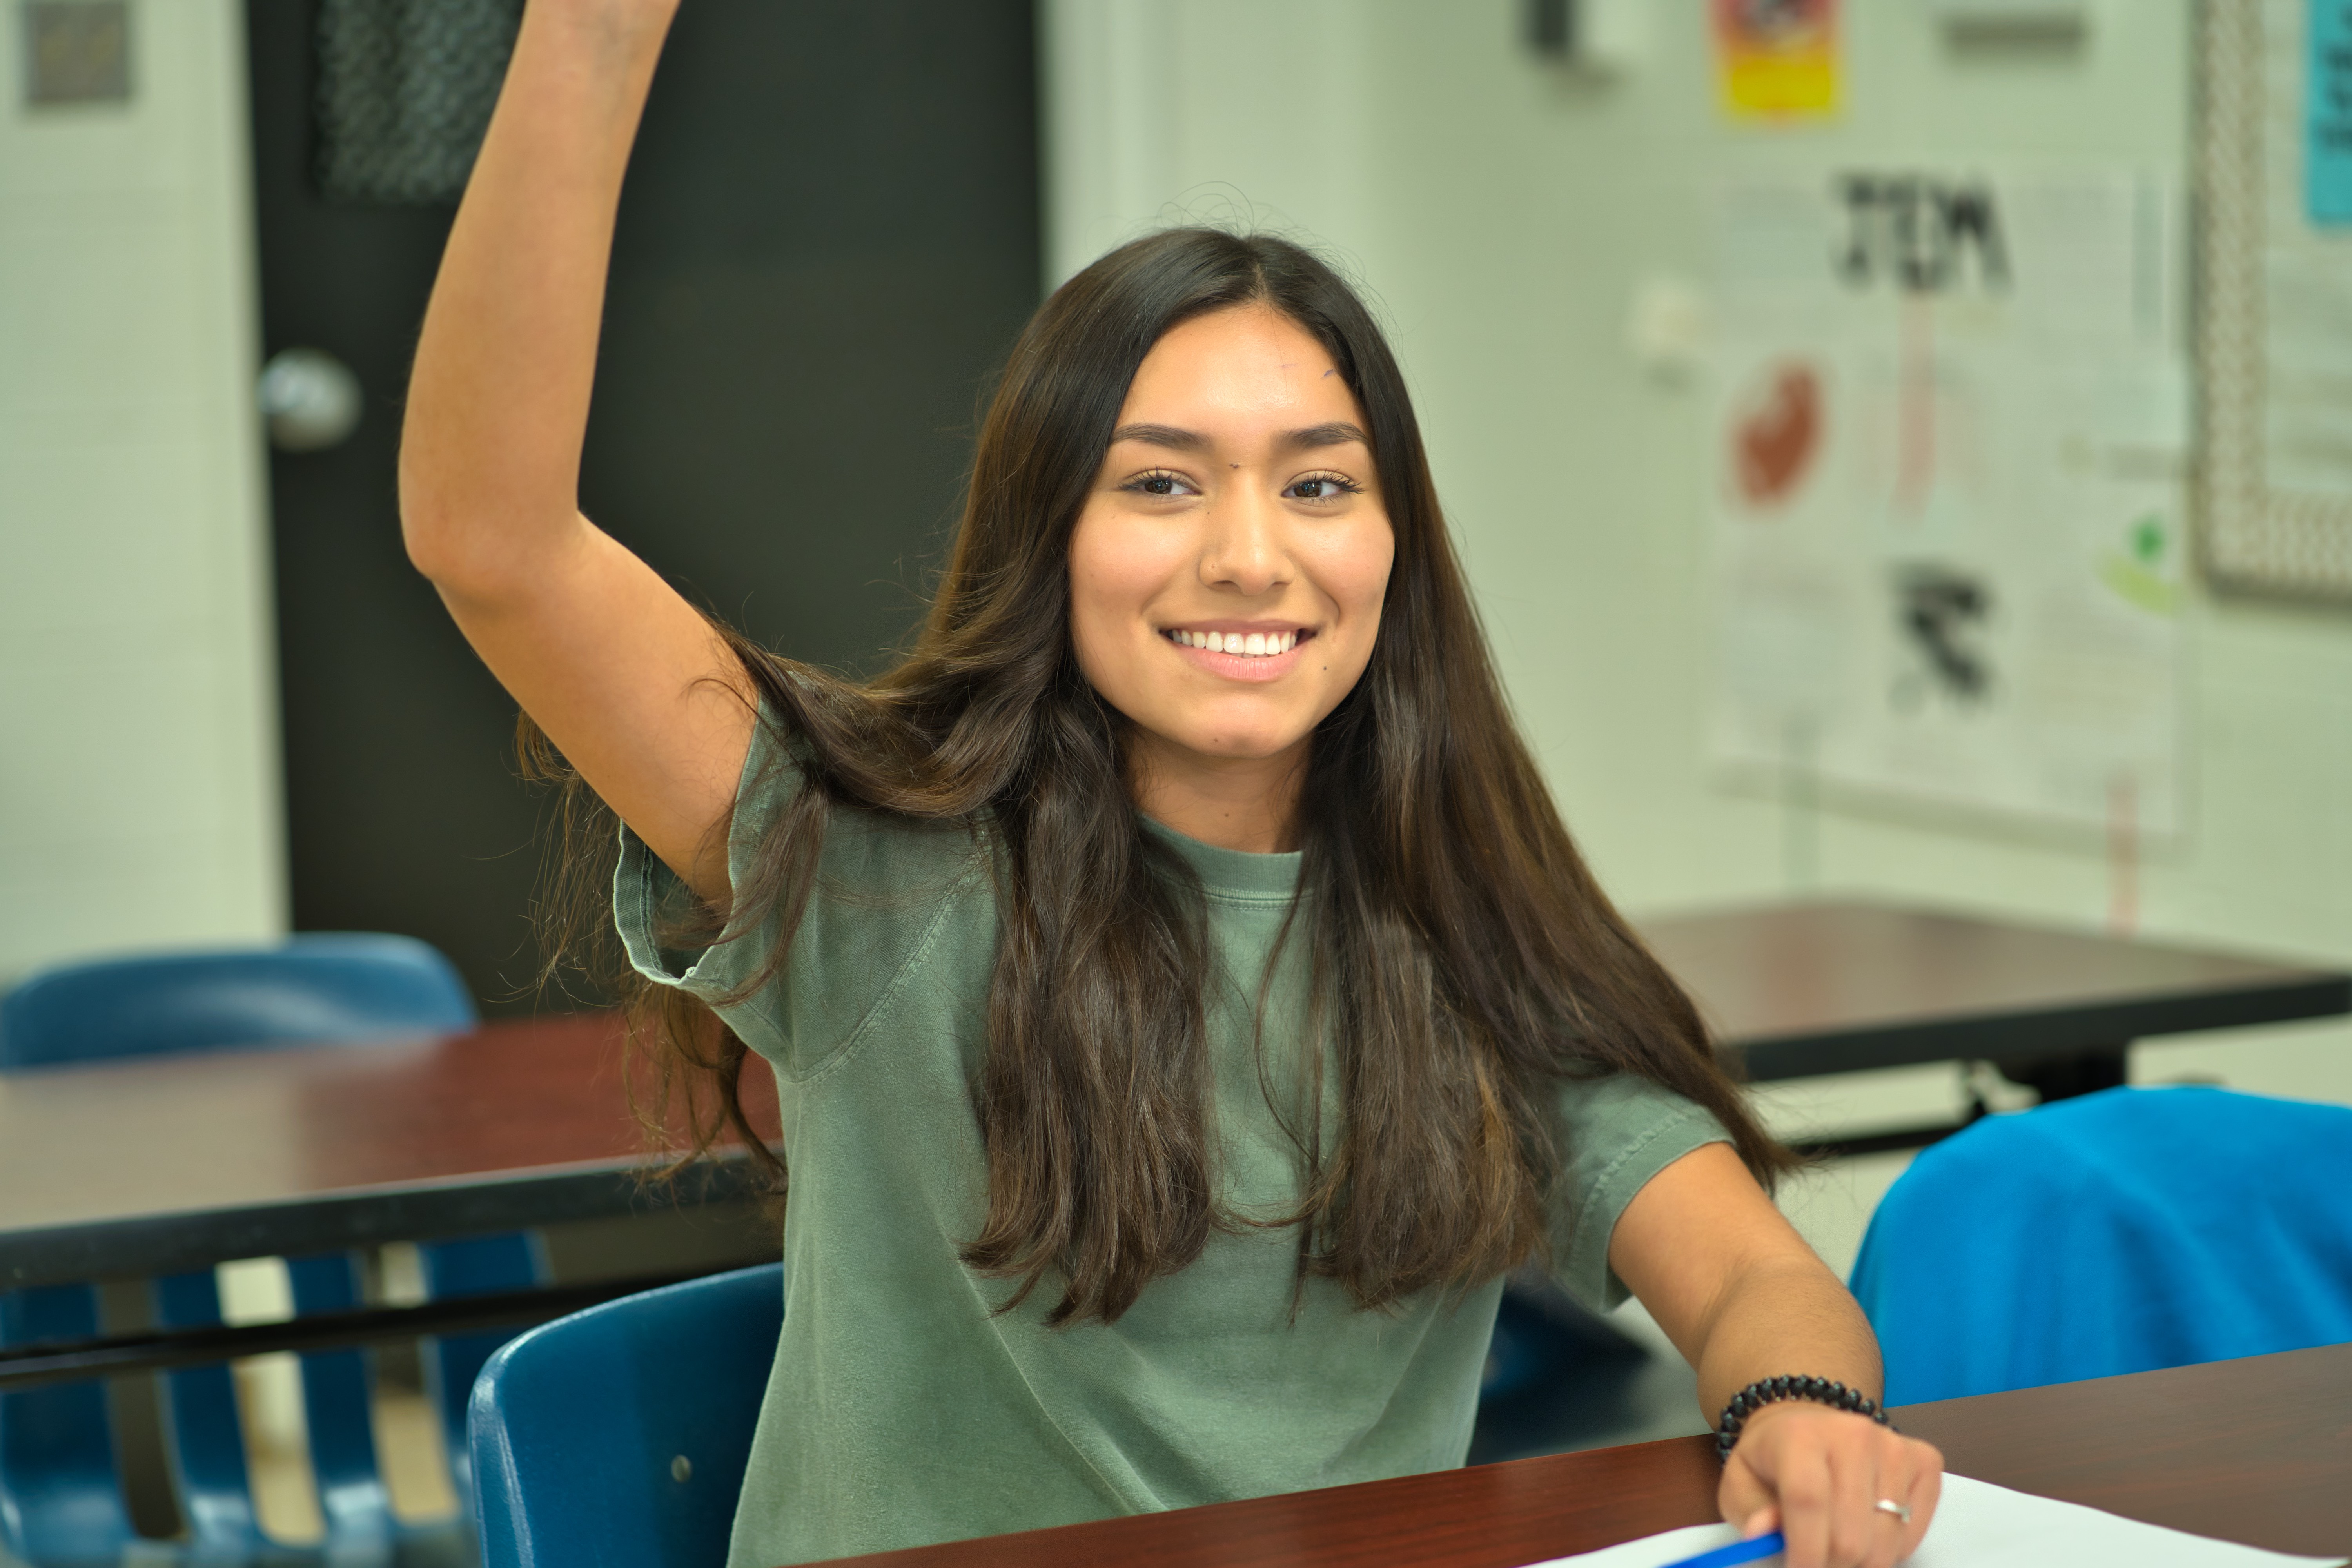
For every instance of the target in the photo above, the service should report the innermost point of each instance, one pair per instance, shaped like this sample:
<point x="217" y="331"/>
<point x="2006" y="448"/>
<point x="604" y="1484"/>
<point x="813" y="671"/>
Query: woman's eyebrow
<point x="1162" y="436"/>
<point x="1337" y="433"/>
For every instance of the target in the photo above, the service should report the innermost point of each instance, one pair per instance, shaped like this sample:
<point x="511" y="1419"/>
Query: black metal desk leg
<point x="2064" y="1077"/>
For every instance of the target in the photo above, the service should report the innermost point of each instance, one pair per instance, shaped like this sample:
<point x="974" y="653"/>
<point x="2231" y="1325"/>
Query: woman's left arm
<point x="1744" y="1297"/>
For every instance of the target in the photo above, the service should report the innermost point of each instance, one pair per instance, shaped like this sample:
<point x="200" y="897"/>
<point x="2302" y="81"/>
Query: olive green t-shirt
<point x="901" y="1407"/>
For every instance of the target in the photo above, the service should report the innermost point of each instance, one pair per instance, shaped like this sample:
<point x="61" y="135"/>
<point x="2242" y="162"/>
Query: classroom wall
<point x="1503" y="212"/>
<point x="138" y="773"/>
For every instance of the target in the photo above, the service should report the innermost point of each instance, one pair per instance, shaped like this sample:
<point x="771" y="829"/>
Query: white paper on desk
<point x="1978" y="1525"/>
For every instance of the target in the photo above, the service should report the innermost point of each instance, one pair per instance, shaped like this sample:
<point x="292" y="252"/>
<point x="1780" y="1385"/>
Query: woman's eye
<point x="1158" y="485"/>
<point x="1321" y="487"/>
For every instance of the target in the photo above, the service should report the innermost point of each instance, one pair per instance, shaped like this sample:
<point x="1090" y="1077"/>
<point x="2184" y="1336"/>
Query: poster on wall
<point x="1777" y="60"/>
<point x="1948" y="425"/>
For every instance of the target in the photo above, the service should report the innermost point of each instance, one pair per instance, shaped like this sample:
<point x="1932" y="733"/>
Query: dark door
<point x="827" y="243"/>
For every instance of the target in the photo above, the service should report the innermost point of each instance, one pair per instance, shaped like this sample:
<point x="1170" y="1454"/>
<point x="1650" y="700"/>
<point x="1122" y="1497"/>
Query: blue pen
<point x="1770" y="1545"/>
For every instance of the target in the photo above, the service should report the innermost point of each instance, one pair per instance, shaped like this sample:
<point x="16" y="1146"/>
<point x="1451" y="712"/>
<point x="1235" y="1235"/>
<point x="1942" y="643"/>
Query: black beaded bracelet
<point x="1768" y="1390"/>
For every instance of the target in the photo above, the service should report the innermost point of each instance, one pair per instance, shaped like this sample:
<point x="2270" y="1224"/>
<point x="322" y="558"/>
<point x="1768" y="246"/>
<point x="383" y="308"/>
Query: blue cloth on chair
<point x="2120" y="1231"/>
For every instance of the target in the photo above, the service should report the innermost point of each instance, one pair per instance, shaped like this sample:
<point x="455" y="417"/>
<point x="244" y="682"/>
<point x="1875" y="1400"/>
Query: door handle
<point x="309" y="400"/>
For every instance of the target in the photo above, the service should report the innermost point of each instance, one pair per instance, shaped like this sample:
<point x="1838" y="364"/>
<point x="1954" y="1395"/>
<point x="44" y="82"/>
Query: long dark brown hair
<point x="1463" y="960"/>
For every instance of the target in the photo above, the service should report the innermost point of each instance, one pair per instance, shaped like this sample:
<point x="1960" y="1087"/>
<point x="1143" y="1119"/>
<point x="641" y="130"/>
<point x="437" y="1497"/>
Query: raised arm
<point x="619" y="670"/>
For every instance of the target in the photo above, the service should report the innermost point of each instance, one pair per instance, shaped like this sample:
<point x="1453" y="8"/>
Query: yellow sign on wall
<point x="1776" y="60"/>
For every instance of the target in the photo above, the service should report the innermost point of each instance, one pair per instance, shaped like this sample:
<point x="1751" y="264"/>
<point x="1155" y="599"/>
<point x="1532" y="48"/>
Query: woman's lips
<point x="1244" y="667"/>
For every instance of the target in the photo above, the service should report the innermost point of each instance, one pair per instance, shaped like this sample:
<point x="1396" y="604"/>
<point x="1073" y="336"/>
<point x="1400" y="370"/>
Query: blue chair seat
<point x="2119" y="1232"/>
<point x="616" y="1437"/>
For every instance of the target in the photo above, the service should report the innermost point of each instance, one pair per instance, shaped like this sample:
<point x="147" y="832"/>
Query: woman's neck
<point x="1250" y="803"/>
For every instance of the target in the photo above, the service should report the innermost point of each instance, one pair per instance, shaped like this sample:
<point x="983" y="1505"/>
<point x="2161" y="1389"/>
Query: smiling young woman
<point x="1185" y="1002"/>
<point x="1228" y="567"/>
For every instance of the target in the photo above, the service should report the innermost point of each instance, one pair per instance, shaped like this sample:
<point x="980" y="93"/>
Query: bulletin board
<point x="2275" y="339"/>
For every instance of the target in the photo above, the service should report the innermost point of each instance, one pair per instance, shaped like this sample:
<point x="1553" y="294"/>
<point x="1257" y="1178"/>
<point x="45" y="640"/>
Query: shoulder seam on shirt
<point x="858" y="1032"/>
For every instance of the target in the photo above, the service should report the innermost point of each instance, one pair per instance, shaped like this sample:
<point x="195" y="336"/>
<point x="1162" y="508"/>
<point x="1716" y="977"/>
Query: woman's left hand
<point x="1745" y="1301"/>
<point x="1818" y="1475"/>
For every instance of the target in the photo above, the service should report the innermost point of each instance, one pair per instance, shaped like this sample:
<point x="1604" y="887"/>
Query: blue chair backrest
<point x="616" y="1437"/>
<point x="60" y="1500"/>
<point x="340" y="985"/>
<point x="2119" y="1232"/>
<point x="203" y="1438"/>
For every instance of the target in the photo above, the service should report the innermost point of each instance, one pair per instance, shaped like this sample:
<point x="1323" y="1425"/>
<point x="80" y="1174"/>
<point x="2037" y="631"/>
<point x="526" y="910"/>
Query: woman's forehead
<point x="1245" y="365"/>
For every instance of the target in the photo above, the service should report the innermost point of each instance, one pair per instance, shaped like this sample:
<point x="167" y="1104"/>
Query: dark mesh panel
<point x="405" y="89"/>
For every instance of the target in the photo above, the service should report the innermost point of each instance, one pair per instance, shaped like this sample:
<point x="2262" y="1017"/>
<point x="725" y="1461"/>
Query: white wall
<point x="139" y="783"/>
<point x="1161" y="111"/>
<point x="1503" y="213"/>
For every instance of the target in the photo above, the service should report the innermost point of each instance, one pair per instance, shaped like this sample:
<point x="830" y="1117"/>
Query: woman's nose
<point x="1243" y="550"/>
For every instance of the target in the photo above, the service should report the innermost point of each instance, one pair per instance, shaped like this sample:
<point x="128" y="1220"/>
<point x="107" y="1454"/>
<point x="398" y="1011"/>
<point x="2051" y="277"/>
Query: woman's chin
<point x="1216" y="746"/>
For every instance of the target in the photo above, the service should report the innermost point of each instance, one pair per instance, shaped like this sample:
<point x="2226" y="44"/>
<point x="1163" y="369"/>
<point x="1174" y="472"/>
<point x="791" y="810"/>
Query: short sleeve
<point x="885" y="886"/>
<point x="649" y="898"/>
<point x="1620" y="1130"/>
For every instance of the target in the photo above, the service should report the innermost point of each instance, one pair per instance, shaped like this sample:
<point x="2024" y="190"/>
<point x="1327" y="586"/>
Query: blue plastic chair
<point x="2119" y="1232"/>
<point x="60" y="1495"/>
<point x="616" y="1437"/>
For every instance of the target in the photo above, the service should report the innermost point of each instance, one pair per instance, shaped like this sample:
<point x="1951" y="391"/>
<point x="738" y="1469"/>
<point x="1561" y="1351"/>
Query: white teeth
<point x="1253" y="645"/>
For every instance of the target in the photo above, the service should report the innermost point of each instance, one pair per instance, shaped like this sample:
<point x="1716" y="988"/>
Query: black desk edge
<point x="200" y="1238"/>
<point x="2059" y="1032"/>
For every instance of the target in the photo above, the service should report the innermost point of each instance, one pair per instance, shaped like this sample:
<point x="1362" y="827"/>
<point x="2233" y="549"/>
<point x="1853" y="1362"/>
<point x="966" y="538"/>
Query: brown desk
<point x="1839" y="986"/>
<point x="155" y="1164"/>
<point x="141" y="1167"/>
<point x="2258" y="1451"/>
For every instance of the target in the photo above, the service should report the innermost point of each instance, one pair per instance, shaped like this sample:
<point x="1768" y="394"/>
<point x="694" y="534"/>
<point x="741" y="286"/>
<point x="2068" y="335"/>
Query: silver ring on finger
<point x="1889" y="1505"/>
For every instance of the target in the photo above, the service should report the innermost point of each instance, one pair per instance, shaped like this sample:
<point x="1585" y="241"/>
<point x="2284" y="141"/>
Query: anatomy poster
<point x="1948" y="424"/>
